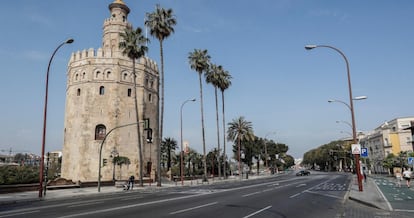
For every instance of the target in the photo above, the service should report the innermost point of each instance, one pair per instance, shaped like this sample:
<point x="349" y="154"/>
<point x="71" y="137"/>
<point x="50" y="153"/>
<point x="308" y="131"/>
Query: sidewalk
<point x="370" y="195"/>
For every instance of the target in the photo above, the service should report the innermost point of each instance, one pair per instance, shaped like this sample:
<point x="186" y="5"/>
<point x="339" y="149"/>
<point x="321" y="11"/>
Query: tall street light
<point x="266" y="148"/>
<point x="42" y="158"/>
<point x="181" y="128"/>
<point x="351" y="106"/>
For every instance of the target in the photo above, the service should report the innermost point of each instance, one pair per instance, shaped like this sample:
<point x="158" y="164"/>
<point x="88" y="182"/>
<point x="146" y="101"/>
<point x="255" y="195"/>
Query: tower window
<point x="129" y="92"/>
<point x="78" y="92"/>
<point x="125" y="76"/>
<point x="101" y="90"/>
<point x="100" y="132"/>
<point x="149" y="97"/>
<point x="83" y="75"/>
<point x="108" y="74"/>
<point x="98" y="73"/>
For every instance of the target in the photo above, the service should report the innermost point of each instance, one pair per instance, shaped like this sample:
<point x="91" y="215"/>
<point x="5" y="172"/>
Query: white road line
<point x="18" y="214"/>
<point x="259" y="211"/>
<point x="192" y="208"/>
<point x="295" y="195"/>
<point x="83" y="204"/>
<point x="254" y="193"/>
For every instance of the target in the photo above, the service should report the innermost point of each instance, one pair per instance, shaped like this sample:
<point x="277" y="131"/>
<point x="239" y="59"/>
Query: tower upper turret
<point x="115" y="25"/>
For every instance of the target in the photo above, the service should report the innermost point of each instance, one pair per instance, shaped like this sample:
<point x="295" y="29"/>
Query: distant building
<point x="99" y="98"/>
<point x="392" y="137"/>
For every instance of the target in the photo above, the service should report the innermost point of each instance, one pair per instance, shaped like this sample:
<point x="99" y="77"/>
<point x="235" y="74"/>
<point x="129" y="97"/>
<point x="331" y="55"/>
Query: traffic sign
<point x="410" y="160"/>
<point x="356" y="148"/>
<point x="364" y="152"/>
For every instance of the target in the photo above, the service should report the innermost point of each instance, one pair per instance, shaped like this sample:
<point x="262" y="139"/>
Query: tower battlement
<point x="91" y="53"/>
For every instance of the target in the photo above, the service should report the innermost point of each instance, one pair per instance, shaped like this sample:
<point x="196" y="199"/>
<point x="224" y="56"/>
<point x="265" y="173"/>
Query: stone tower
<point x="100" y="98"/>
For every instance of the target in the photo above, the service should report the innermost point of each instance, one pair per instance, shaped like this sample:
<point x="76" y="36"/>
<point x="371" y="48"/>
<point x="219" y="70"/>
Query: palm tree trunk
<point x="161" y="116"/>
<point x="138" y="125"/>
<point x="224" y="137"/>
<point x="218" y="134"/>
<point x="202" y="128"/>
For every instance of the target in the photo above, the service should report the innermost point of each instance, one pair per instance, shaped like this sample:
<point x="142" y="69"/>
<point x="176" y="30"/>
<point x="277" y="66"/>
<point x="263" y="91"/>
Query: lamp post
<point x="351" y="106"/>
<point x="181" y="132"/>
<point x="100" y="151"/>
<point x="114" y="154"/>
<point x="266" y="148"/>
<point x="42" y="158"/>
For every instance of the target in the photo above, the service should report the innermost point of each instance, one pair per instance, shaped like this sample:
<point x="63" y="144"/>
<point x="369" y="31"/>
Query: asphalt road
<point x="317" y="195"/>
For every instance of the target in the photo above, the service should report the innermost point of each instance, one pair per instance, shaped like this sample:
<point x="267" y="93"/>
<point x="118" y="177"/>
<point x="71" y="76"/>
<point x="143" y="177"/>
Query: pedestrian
<point x="131" y="182"/>
<point x="364" y="173"/>
<point x="398" y="176"/>
<point x="407" y="176"/>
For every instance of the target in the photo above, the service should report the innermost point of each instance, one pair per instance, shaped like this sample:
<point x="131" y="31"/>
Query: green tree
<point x="133" y="44"/>
<point x="161" y="23"/>
<point x="200" y="61"/>
<point x="121" y="160"/>
<point x="168" y="145"/>
<point x="240" y="130"/>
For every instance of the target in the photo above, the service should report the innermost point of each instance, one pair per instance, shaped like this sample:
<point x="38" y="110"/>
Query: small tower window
<point x="125" y="76"/>
<point x="83" y="75"/>
<point x="108" y="74"/>
<point x="101" y="90"/>
<point x="76" y="77"/>
<point x="98" y="74"/>
<point x="149" y="97"/>
<point x="78" y="92"/>
<point x="129" y="92"/>
<point x="100" y="132"/>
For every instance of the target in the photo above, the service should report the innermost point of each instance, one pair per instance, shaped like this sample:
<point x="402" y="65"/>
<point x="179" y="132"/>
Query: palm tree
<point x="213" y="77"/>
<point x="240" y="130"/>
<point x="121" y="160"/>
<point x="223" y="84"/>
<point x="200" y="62"/>
<point x="168" y="145"/>
<point x="161" y="23"/>
<point x="134" y="46"/>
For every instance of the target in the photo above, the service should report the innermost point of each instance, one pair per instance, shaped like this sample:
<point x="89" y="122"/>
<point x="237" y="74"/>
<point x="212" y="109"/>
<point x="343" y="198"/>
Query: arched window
<point x="125" y="76"/>
<point x="83" y="75"/>
<point x="108" y="74"/>
<point x="129" y="92"/>
<point x="150" y="97"/>
<point x="100" y="132"/>
<point x="78" y="92"/>
<point x="101" y="90"/>
<point x="98" y="74"/>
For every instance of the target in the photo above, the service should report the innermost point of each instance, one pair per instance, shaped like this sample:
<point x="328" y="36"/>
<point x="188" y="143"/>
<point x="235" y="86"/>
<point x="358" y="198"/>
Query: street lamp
<point x="42" y="158"/>
<point x="266" y="148"/>
<point x="114" y="154"/>
<point x="181" y="127"/>
<point x="351" y="106"/>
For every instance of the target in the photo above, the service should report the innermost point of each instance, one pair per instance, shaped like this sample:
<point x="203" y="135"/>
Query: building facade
<point x="392" y="137"/>
<point x="100" y="100"/>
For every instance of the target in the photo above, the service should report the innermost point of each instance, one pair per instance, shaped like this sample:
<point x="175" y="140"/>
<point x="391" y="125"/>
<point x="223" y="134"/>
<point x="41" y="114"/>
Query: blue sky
<point x="277" y="84"/>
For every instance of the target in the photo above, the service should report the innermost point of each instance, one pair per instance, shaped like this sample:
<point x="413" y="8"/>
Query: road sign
<point x="356" y="148"/>
<point x="364" y="152"/>
<point x="410" y="160"/>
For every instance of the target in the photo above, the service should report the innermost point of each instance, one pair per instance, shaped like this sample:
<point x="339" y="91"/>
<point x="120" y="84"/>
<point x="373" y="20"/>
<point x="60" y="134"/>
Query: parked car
<point x="303" y="173"/>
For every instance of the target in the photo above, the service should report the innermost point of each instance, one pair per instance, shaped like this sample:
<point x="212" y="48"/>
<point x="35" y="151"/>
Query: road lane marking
<point x="18" y="214"/>
<point x="250" y="194"/>
<point x="326" y="195"/>
<point x="295" y="195"/>
<point x="192" y="208"/>
<point x="83" y="204"/>
<point x="259" y="211"/>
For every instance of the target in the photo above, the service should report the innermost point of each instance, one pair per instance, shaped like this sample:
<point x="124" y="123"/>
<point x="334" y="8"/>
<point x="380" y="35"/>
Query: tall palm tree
<point x="240" y="129"/>
<point x="133" y="44"/>
<point x="200" y="61"/>
<point x="161" y="23"/>
<point x="168" y="145"/>
<point x="213" y="77"/>
<point x="224" y="83"/>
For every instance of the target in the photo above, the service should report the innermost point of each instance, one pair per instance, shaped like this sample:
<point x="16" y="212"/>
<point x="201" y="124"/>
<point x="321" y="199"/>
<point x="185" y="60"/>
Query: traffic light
<point x="105" y="161"/>
<point x="149" y="135"/>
